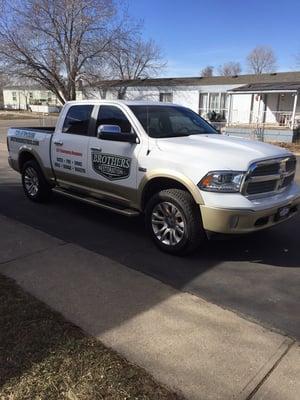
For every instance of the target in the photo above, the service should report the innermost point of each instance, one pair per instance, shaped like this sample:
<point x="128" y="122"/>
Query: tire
<point x="35" y="186"/>
<point x="174" y="222"/>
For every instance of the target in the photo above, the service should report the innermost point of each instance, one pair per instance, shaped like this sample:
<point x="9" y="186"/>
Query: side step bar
<point x="128" y="212"/>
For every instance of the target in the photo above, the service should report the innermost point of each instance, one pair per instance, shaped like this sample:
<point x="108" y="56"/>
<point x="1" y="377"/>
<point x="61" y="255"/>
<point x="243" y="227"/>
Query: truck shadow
<point x="125" y="240"/>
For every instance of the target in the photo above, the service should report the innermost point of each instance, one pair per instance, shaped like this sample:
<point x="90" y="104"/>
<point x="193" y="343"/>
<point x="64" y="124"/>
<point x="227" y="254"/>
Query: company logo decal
<point x="111" y="166"/>
<point x="25" y="134"/>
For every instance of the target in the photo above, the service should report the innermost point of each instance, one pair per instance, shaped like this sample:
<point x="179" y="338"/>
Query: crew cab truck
<point x="161" y="160"/>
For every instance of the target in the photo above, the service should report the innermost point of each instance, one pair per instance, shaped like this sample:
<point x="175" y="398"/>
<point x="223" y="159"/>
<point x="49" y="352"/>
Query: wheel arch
<point x="157" y="181"/>
<point x="25" y="155"/>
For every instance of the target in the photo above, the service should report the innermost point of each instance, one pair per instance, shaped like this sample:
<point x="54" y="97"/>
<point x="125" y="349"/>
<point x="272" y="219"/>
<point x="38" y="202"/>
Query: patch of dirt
<point x="10" y="115"/>
<point x="45" y="357"/>
<point x="294" y="147"/>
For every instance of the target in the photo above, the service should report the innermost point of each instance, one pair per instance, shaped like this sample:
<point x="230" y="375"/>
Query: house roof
<point x="28" y="88"/>
<point x="277" y="77"/>
<point x="24" y="87"/>
<point x="268" y="87"/>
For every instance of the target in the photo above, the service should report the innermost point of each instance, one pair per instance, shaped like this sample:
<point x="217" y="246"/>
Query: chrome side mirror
<point x="111" y="129"/>
<point x="113" y="133"/>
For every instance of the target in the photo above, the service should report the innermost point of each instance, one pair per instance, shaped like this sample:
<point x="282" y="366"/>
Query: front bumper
<point x="245" y="220"/>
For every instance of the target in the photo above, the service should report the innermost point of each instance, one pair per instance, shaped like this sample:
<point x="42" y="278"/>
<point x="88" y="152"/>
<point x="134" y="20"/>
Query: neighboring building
<point x="33" y="98"/>
<point x="264" y="106"/>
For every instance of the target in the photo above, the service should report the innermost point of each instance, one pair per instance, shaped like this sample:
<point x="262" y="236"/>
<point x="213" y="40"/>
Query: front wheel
<point x="34" y="183"/>
<point x="174" y="221"/>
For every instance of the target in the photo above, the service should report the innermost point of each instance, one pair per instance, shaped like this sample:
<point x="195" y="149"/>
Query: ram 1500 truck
<point x="161" y="160"/>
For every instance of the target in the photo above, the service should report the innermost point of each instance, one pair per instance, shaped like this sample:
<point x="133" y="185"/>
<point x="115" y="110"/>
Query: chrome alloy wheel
<point x="167" y="223"/>
<point x="31" y="181"/>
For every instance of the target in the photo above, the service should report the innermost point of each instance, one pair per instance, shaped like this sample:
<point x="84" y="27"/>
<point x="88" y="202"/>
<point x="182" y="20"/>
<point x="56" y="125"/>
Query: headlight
<point x="222" y="181"/>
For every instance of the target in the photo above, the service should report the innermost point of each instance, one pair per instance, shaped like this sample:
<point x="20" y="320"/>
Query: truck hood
<point x="222" y="151"/>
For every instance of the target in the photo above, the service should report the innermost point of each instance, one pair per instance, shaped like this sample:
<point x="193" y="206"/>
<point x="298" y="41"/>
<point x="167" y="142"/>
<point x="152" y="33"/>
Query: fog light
<point x="234" y="221"/>
<point x="262" y="221"/>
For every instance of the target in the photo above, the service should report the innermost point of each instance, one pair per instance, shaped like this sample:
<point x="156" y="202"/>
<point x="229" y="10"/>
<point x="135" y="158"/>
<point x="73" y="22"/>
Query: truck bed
<point x="36" y="140"/>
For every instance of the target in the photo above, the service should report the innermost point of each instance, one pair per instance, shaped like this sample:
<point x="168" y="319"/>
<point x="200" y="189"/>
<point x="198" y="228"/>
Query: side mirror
<point x="112" y="129"/>
<point x="113" y="133"/>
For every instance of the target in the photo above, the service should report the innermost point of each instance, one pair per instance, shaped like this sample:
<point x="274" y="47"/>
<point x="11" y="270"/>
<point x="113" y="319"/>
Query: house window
<point x="103" y="93"/>
<point x="224" y="105"/>
<point x="166" y="97"/>
<point x="224" y="101"/>
<point x="14" y="96"/>
<point x="214" y="101"/>
<point x="203" y="103"/>
<point x="43" y="96"/>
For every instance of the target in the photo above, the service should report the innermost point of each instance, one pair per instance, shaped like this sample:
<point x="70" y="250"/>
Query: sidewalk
<point x="192" y="346"/>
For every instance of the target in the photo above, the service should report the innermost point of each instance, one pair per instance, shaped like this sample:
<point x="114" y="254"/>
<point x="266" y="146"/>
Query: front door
<point x="112" y="165"/>
<point x="70" y="146"/>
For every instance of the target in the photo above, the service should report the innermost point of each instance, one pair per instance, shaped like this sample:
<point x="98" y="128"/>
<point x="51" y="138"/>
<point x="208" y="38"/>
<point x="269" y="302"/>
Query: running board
<point x="128" y="212"/>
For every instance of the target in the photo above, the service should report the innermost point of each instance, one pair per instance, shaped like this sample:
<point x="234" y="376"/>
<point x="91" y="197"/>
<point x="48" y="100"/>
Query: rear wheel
<point x="174" y="222"/>
<point x="34" y="183"/>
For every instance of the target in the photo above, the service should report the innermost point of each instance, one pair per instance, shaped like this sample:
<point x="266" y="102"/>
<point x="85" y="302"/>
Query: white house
<point x="264" y="106"/>
<point x="34" y="98"/>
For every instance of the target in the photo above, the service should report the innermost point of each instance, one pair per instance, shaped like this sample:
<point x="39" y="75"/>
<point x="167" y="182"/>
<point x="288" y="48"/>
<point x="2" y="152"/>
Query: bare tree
<point x="208" y="71"/>
<point x="230" y="68"/>
<point x="55" y="40"/>
<point x="261" y="59"/>
<point x="132" y="59"/>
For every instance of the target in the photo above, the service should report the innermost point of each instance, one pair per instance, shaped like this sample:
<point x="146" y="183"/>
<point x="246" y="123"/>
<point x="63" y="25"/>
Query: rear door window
<point x="77" y="120"/>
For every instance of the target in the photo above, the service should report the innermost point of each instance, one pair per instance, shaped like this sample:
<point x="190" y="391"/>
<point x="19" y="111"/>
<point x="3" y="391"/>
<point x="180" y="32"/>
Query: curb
<point x="259" y="379"/>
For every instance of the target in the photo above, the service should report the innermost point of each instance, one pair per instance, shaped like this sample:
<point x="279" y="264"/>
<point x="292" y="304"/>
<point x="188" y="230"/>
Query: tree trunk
<point x="122" y="93"/>
<point x="73" y="91"/>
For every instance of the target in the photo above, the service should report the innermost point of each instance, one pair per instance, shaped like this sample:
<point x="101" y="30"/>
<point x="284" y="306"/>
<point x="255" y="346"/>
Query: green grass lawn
<point x="43" y="356"/>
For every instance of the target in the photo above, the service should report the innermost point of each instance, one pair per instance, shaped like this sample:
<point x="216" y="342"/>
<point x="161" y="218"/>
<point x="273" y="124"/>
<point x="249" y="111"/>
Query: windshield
<point x="171" y="121"/>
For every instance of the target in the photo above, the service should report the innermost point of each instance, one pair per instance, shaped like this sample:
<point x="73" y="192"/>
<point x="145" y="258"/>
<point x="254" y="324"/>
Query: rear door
<point x="70" y="146"/>
<point x="112" y="165"/>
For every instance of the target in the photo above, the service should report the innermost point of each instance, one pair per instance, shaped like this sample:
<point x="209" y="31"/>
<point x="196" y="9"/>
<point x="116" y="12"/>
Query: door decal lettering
<point x="69" y="152"/>
<point x="69" y="164"/>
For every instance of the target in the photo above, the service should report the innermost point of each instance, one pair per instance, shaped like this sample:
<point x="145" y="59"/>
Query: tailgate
<point x="32" y="140"/>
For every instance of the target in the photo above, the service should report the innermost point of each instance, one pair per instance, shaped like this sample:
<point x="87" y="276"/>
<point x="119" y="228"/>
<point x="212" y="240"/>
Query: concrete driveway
<point x="257" y="276"/>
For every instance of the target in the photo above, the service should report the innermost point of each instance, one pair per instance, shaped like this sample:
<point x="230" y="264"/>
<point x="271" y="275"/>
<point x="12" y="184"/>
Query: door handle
<point x="58" y="142"/>
<point x="96" y="148"/>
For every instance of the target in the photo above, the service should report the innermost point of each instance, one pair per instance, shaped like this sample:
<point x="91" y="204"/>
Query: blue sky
<point x="193" y="34"/>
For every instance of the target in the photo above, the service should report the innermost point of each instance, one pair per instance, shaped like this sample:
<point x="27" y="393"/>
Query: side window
<point x="166" y="97"/>
<point x="77" y="120"/>
<point x="110" y="115"/>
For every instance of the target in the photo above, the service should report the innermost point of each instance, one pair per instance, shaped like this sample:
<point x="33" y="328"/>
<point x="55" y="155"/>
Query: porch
<point x="268" y="112"/>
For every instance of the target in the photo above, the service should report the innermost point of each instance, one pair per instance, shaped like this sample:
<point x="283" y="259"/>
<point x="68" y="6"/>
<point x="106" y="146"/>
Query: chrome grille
<point x="268" y="169"/>
<point x="269" y="176"/>
<point x="261" y="187"/>
<point x="291" y="164"/>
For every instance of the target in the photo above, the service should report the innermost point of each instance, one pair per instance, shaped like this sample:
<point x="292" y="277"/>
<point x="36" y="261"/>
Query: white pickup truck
<point x="161" y="160"/>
